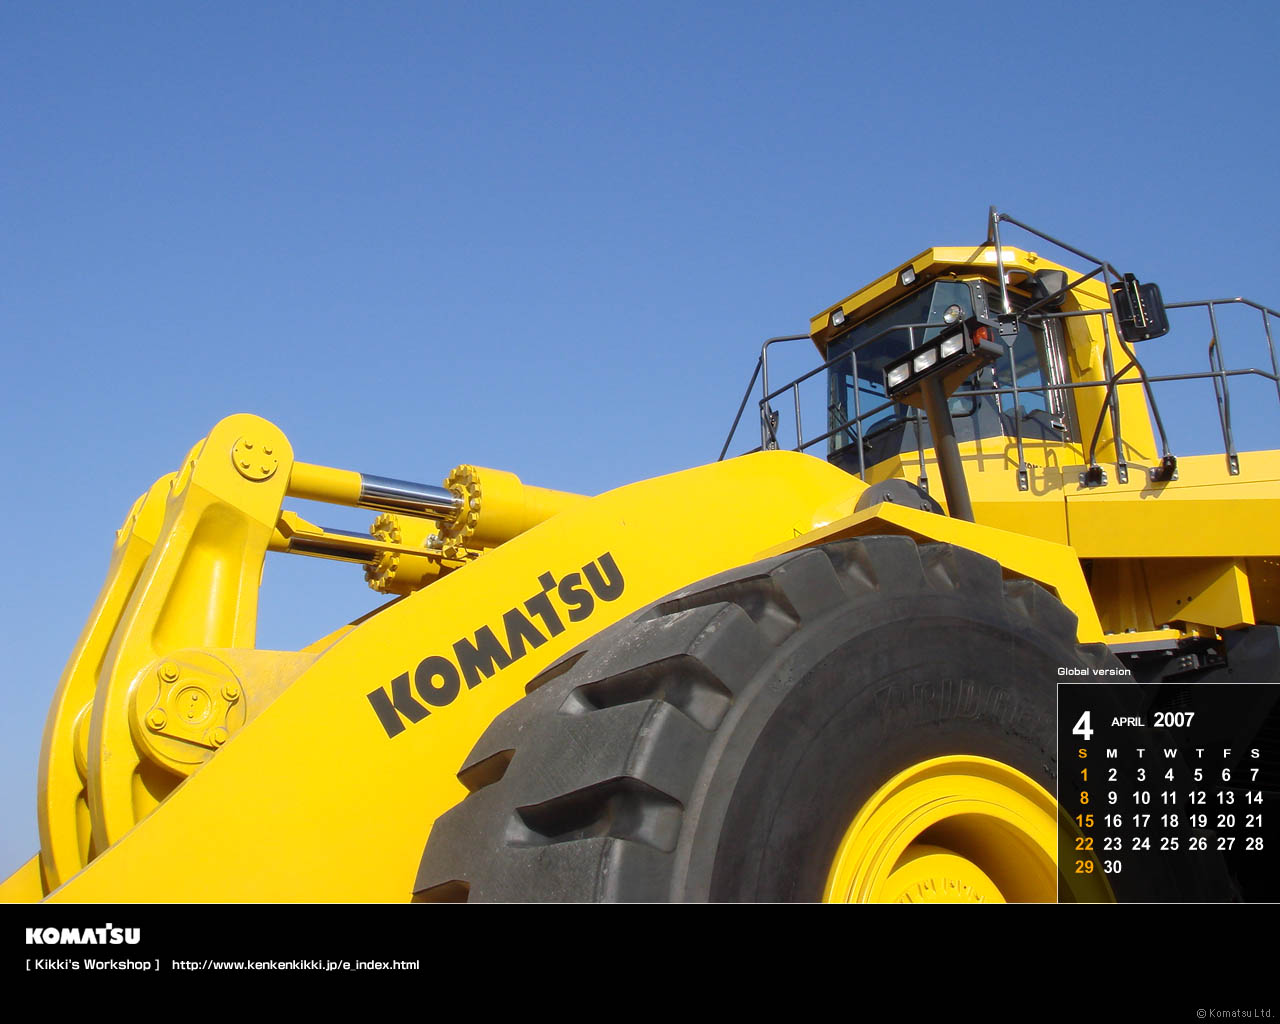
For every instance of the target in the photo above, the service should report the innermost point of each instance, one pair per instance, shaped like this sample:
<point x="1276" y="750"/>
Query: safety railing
<point x="1114" y="379"/>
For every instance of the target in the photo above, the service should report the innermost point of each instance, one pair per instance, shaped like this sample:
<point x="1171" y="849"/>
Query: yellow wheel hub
<point x="951" y="830"/>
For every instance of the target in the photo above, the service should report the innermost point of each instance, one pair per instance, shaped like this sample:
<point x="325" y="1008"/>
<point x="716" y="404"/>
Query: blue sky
<point x="547" y="238"/>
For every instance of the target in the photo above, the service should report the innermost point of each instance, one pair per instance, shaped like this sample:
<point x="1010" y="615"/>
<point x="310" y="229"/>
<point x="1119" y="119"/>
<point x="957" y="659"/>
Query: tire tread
<point x="588" y="768"/>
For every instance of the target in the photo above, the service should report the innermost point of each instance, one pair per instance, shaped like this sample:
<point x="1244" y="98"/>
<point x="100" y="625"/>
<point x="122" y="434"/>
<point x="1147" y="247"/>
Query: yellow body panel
<point x="1158" y="550"/>
<point x="314" y="801"/>
<point x="26" y="885"/>
<point x="1052" y="565"/>
<point x="1206" y="512"/>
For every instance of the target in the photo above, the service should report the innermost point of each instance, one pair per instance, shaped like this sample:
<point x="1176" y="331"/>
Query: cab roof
<point x="929" y="265"/>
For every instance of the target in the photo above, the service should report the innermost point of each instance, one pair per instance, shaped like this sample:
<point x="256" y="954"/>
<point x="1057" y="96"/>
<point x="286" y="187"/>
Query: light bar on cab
<point x="954" y="356"/>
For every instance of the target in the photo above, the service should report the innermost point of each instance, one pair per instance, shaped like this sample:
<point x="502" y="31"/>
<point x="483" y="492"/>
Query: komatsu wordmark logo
<point x="107" y="935"/>
<point x="438" y="678"/>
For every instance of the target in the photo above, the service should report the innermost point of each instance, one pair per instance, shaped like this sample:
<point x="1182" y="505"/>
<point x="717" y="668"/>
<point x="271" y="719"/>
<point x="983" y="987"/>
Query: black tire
<point x="717" y="745"/>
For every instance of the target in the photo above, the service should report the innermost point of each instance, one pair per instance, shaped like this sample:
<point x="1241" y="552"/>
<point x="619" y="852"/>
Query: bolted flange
<point x="185" y="709"/>
<point x="254" y="459"/>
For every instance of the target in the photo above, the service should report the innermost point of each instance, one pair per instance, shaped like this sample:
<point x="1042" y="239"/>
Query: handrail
<point x="1217" y="373"/>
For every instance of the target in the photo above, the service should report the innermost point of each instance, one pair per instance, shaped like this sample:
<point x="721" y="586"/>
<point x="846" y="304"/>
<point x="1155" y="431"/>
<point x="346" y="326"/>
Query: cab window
<point x="859" y="411"/>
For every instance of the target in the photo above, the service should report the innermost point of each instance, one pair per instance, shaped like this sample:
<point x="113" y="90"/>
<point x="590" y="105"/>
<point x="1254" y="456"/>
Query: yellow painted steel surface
<point x="1206" y="512"/>
<point x="62" y="807"/>
<point x="199" y="588"/>
<point x="950" y="830"/>
<point x="499" y="506"/>
<point x="1052" y="565"/>
<point x="324" y="483"/>
<point x="1201" y="549"/>
<point x="926" y="266"/>
<point x="314" y="800"/>
<point x="26" y="885"/>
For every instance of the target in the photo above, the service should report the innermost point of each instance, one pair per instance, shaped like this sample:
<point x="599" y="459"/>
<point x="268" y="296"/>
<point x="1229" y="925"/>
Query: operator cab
<point x="859" y="412"/>
<point x="973" y="341"/>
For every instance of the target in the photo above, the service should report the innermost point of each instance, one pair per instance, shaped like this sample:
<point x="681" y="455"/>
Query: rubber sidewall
<point x="848" y="703"/>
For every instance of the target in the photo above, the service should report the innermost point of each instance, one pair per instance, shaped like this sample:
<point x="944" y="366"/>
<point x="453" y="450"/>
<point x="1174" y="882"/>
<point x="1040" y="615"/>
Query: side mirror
<point x="1140" y="312"/>
<point x="1048" y="283"/>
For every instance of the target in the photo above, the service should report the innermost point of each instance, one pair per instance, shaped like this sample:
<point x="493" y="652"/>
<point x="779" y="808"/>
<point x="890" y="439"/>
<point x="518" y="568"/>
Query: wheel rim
<point x="956" y="829"/>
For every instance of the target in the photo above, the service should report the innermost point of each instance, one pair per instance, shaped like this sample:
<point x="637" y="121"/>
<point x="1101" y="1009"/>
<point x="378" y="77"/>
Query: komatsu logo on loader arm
<point x="438" y="678"/>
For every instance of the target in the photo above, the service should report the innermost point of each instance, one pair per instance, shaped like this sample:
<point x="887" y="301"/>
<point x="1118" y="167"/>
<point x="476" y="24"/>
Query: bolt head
<point x="231" y="692"/>
<point x="169" y="672"/>
<point x="156" y="719"/>
<point x="218" y="736"/>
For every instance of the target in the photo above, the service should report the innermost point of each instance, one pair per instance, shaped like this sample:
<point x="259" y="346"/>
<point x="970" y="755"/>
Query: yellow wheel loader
<point x="774" y="677"/>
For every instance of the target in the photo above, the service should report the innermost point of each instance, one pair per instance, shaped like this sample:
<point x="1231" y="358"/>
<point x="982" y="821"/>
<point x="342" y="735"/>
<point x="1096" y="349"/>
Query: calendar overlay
<point x="1168" y="793"/>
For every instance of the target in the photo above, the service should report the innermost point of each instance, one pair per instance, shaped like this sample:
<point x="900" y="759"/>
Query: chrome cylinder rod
<point x="332" y="546"/>
<point x="346" y="487"/>
<point x="387" y="495"/>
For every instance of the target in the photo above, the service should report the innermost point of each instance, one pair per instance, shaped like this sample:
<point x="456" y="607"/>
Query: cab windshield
<point x="856" y="383"/>
<point x="858" y="409"/>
